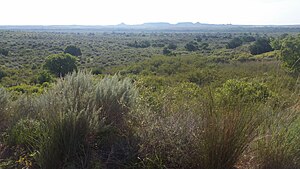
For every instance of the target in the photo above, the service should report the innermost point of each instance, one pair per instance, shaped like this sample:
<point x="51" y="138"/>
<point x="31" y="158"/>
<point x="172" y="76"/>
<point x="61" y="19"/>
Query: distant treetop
<point x="73" y="50"/>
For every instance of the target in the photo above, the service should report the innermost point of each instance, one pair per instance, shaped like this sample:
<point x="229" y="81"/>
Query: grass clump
<point x="4" y="105"/>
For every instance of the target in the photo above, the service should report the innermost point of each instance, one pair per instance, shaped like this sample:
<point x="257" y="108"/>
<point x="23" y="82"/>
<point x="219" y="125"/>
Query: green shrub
<point x="65" y="143"/>
<point x="4" y="52"/>
<point x="290" y="54"/>
<point x="261" y="45"/>
<point x="115" y="97"/>
<point x="234" y="43"/>
<point x="195" y="130"/>
<point x="23" y="88"/>
<point x="43" y="77"/>
<point x="278" y="144"/>
<point x="2" y="74"/>
<point x="192" y="46"/>
<point x="69" y="117"/>
<point x="73" y="50"/>
<point x="25" y="133"/>
<point x="60" y="64"/>
<point x="249" y="92"/>
<point x="4" y="101"/>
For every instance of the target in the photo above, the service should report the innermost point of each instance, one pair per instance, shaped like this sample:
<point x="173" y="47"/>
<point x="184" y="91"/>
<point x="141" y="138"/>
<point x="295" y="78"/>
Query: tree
<point x="234" y="43"/>
<point x="248" y="38"/>
<point x="4" y="52"/>
<point x="192" y="46"/>
<point x="172" y="46"/>
<point x="60" y="64"/>
<point x="43" y="77"/>
<point x="2" y="74"/>
<point x="166" y="51"/>
<point x="73" y="50"/>
<point x="290" y="53"/>
<point x="261" y="45"/>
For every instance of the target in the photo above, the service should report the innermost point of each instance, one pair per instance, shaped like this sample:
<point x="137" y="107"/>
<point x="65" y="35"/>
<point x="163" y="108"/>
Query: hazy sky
<point x="104" y="12"/>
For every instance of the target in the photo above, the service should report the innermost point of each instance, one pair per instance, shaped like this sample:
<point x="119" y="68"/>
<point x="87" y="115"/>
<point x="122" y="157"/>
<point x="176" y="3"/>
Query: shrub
<point x="60" y="64"/>
<point x="65" y="144"/>
<point x="4" y="52"/>
<point x="290" y="54"/>
<point x="139" y="44"/>
<point x="197" y="131"/>
<point x="166" y="51"/>
<point x="234" y="43"/>
<point x="97" y="71"/>
<point x="43" y="77"/>
<point x="172" y="46"/>
<point x="23" y="88"/>
<point x="73" y="50"/>
<point x="2" y="74"/>
<point x="25" y="133"/>
<point x="116" y="97"/>
<point x="69" y="117"/>
<point x="248" y="92"/>
<point x="4" y="101"/>
<point x="260" y="46"/>
<point x="191" y="46"/>
<point x="278" y="146"/>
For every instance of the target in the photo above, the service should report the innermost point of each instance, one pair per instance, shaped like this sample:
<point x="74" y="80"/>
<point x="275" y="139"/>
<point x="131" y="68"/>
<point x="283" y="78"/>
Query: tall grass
<point x="86" y="120"/>
<point x="206" y="135"/>
<point x="116" y="97"/>
<point x="68" y="112"/>
<point x="4" y="101"/>
<point x="278" y="145"/>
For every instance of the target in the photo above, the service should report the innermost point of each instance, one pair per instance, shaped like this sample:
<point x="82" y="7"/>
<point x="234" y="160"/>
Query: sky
<point x="111" y="12"/>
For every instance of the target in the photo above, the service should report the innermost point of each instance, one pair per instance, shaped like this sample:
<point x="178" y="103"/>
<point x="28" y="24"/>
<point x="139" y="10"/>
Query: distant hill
<point x="159" y="27"/>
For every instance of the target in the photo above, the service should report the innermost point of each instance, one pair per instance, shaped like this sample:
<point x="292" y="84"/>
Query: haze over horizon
<point x="113" y="12"/>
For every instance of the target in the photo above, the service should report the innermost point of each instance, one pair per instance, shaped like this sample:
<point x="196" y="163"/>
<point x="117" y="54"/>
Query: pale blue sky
<point x="105" y="12"/>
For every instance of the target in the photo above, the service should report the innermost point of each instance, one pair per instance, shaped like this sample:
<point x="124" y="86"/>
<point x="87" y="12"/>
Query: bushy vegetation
<point x="73" y="50"/>
<point x="290" y="53"/>
<point x="261" y="45"/>
<point x="235" y="42"/>
<point x="215" y="107"/>
<point x="60" y="64"/>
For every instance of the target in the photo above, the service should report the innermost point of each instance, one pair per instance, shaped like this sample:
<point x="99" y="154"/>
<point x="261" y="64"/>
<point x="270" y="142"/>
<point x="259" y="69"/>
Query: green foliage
<point x="278" y="146"/>
<point x="64" y="144"/>
<point x="192" y="130"/>
<point x="248" y="38"/>
<point x="4" y="101"/>
<point x="69" y="117"/>
<point x="187" y="113"/>
<point x="23" y="88"/>
<point x="261" y="45"/>
<point x="97" y="71"/>
<point x="4" y="52"/>
<point x="25" y="133"/>
<point x="73" y="50"/>
<point x="60" y="64"/>
<point x="166" y="51"/>
<point x="234" y="43"/>
<point x="248" y="92"/>
<point x="191" y="46"/>
<point x="115" y="96"/>
<point x="140" y="44"/>
<point x="2" y="74"/>
<point x="290" y="54"/>
<point x="43" y="77"/>
<point x="172" y="46"/>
